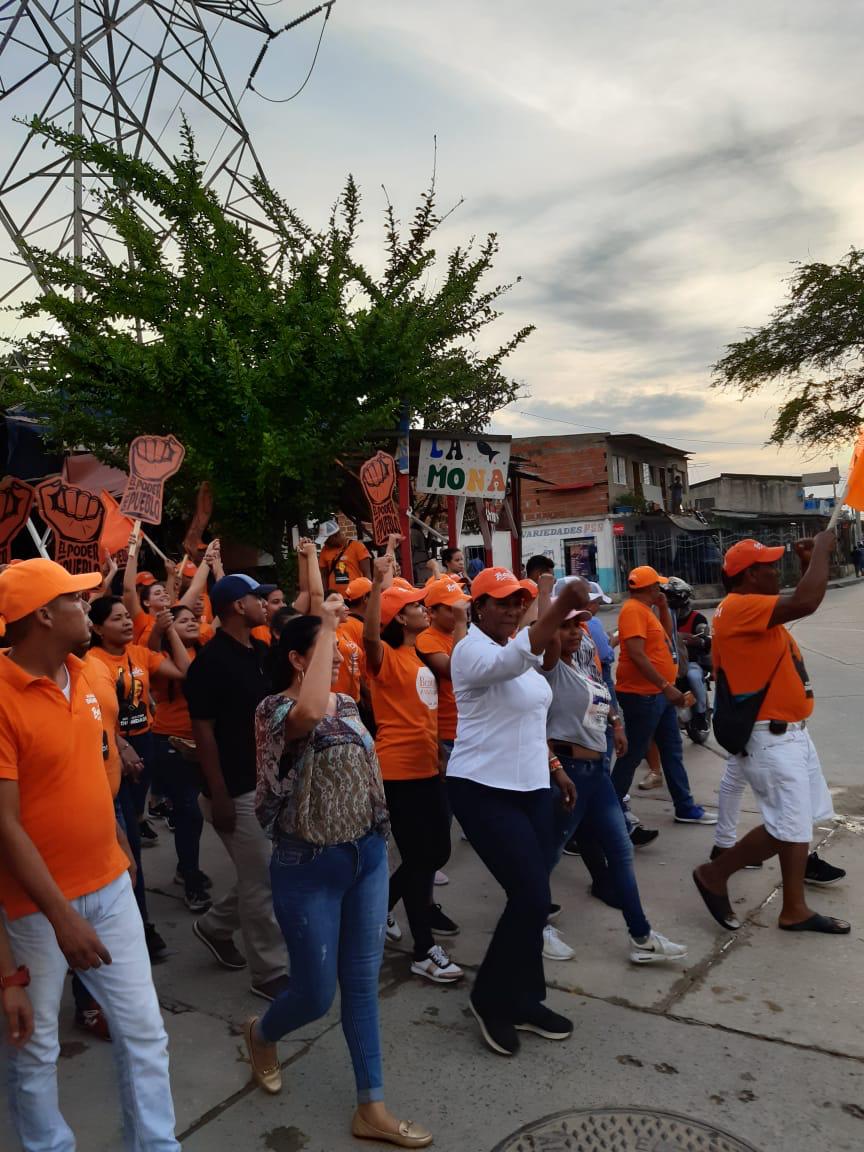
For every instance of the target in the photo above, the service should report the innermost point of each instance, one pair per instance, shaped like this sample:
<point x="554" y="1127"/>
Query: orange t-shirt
<point x="434" y="640"/>
<point x="53" y="748"/>
<point x="748" y="651"/>
<point x="405" y="703"/>
<point x="105" y="690"/>
<point x="261" y="632"/>
<point x="352" y="670"/>
<point x="340" y="567"/>
<point x="142" y="626"/>
<point x="637" y="619"/>
<point x="143" y="663"/>
<point x="172" y="712"/>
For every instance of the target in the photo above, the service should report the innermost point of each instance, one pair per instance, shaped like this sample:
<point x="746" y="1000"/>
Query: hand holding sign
<point x="16" y="500"/>
<point x="75" y="517"/>
<point x="152" y="461"/>
<point x="378" y="477"/>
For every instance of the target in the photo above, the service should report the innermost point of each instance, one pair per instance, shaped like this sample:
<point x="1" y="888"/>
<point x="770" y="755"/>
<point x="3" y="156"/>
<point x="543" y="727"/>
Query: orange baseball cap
<point x="444" y="591"/>
<point x="145" y="579"/>
<point x="394" y="599"/>
<point x="401" y="582"/>
<point x="496" y="582"/>
<point x="530" y="587"/>
<point x="358" y="588"/>
<point x="644" y="577"/>
<point x="748" y="552"/>
<point x="188" y="570"/>
<point x="32" y="584"/>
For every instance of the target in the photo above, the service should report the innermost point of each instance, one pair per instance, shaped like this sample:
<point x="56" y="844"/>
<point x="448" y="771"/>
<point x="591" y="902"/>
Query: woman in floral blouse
<point x="321" y="800"/>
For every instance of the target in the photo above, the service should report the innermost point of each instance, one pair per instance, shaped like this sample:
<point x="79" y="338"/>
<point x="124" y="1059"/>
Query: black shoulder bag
<point x="734" y="716"/>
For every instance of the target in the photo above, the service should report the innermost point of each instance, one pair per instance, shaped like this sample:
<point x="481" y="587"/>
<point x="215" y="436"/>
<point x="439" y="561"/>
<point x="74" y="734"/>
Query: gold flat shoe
<point x="410" y="1135"/>
<point x="265" y="1069"/>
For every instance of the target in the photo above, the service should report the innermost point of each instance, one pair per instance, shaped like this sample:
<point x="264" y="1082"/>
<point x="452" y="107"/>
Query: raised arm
<point x="314" y="696"/>
<point x="574" y="596"/>
<point x="131" y="602"/>
<point x="315" y="584"/>
<point x="815" y="558"/>
<point x="372" y="642"/>
<point x="305" y="561"/>
<point x="198" y="583"/>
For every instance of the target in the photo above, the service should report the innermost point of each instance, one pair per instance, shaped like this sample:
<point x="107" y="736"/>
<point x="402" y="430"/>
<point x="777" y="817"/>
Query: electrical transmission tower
<point x="123" y="72"/>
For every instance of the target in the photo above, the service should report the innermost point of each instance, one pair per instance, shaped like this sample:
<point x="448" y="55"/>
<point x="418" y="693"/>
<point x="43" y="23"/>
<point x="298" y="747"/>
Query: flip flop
<point x="718" y="906"/>
<point x="819" y="923"/>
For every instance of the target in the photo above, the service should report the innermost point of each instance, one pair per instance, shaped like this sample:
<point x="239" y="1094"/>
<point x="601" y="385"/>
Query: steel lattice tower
<point x="121" y="71"/>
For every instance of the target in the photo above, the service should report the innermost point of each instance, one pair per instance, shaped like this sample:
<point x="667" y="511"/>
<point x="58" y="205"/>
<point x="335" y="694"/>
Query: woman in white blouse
<point x="498" y="781"/>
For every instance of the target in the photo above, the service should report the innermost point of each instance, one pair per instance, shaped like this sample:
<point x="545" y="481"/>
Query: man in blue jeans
<point x="647" y="696"/>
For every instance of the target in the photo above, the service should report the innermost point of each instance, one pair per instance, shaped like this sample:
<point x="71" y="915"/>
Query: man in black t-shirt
<point x="225" y="684"/>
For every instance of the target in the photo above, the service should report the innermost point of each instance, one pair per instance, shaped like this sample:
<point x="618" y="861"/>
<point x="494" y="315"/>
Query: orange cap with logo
<point x="358" y="588"/>
<point x="32" y="584"/>
<point x="644" y="577"/>
<point x="496" y="582"/>
<point x="444" y="591"/>
<point x="394" y="599"/>
<point x="144" y="579"/>
<point x="748" y="552"/>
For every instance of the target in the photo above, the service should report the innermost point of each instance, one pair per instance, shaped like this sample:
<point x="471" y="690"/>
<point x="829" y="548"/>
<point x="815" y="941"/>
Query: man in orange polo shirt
<point x="753" y="649"/>
<point x="645" y="687"/>
<point x="64" y="887"/>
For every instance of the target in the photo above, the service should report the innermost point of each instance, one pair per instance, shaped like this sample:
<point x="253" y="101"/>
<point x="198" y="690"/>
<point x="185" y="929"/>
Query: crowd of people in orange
<point x="308" y="735"/>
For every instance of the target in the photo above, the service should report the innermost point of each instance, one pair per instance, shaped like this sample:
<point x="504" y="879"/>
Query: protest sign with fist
<point x="378" y="477"/>
<point x="16" y="501"/>
<point x="152" y="461"/>
<point x="75" y="517"/>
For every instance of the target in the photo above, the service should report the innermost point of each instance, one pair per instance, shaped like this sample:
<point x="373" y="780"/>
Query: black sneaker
<point x="270" y="989"/>
<point x="225" y="952"/>
<point x="640" y="836"/>
<point x="148" y="834"/>
<point x="197" y="899"/>
<point x="200" y="878"/>
<point x="600" y="892"/>
<point x="160" y="811"/>
<point x="156" y="946"/>
<point x="554" y="913"/>
<point x="499" y="1035"/>
<point x="169" y="820"/>
<point x="440" y="924"/>
<point x="571" y="848"/>
<point x="718" y="851"/>
<point x="544" y="1022"/>
<point x="819" y="871"/>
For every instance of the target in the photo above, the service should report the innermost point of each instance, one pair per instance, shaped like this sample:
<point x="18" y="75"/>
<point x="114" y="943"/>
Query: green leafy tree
<point x="268" y="355"/>
<point x="813" y="348"/>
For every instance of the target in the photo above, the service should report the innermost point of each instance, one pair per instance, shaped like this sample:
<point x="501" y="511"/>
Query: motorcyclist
<point x="694" y="632"/>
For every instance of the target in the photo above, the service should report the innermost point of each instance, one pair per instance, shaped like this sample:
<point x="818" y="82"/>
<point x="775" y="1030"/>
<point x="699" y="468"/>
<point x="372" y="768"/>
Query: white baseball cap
<point x="326" y="530"/>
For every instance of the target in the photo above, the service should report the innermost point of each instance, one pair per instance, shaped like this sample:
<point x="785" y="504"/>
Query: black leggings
<point x="420" y="818"/>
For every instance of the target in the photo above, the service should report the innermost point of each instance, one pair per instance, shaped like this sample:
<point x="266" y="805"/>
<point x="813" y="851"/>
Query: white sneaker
<point x="655" y="949"/>
<point x="441" y="878"/>
<point x="394" y="932"/>
<point x="554" y="948"/>
<point x="437" y="966"/>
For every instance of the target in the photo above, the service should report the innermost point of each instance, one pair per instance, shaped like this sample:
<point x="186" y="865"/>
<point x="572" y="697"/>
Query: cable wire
<point x="294" y="95"/>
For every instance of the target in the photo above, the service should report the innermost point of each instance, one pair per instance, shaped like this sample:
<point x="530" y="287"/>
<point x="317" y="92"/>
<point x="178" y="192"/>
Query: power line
<point x="594" y="428"/>
<point x="287" y="99"/>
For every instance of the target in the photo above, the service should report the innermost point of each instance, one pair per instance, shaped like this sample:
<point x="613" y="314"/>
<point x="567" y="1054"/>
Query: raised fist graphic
<point x="16" y="501"/>
<point x="76" y="518"/>
<point x="71" y="512"/>
<point x="152" y="459"/>
<point x="155" y="458"/>
<point x="378" y="477"/>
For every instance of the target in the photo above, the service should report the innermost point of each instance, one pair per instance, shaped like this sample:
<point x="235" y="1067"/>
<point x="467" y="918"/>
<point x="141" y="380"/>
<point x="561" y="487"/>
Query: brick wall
<point x="564" y="460"/>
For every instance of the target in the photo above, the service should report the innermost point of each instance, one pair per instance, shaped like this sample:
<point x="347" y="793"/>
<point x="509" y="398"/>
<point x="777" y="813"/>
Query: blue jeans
<point x="647" y="718"/>
<point x="597" y="814"/>
<point x="512" y="833"/>
<point x="180" y="781"/>
<point x="696" y="684"/>
<point x="145" y="748"/>
<point x="331" y="904"/>
<point x="124" y="990"/>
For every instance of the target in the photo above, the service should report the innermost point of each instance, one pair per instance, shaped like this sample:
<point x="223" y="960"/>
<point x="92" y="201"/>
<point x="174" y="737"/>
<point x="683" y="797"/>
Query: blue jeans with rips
<point x="331" y="904"/>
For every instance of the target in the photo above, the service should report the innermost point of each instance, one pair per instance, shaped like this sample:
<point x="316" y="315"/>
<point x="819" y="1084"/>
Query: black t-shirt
<point x="226" y="682"/>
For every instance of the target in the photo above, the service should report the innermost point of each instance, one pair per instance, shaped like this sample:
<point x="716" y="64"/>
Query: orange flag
<point x="854" y="496"/>
<point x="117" y="528"/>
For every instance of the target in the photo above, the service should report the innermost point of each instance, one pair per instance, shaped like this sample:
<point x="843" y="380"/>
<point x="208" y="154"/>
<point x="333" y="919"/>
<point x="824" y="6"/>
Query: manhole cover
<point x="620" y="1130"/>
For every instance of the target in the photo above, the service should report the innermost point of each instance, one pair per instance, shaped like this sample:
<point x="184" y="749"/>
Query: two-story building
<point x="607" y="502"/>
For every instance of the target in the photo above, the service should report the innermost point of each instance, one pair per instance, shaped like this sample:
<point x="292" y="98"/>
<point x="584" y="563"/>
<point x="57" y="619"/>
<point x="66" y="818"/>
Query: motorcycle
<point x="694" y="644"/>
<point x="698" y="733"/>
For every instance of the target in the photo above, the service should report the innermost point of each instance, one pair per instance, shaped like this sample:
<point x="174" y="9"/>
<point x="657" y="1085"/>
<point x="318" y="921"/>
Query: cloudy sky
<point x="652" y="170"/>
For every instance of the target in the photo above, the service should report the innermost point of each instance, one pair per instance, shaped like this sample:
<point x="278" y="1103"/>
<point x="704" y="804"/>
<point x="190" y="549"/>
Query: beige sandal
<point x="410" y="1135"/>
<point x="264" y="1059"/>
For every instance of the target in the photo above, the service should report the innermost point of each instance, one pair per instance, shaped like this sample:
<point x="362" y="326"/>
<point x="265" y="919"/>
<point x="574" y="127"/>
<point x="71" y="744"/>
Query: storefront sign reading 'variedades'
<point x="459" y="467"/>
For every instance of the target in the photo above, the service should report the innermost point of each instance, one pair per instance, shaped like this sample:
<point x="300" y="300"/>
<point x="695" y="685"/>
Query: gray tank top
<point x="579" y="712"/>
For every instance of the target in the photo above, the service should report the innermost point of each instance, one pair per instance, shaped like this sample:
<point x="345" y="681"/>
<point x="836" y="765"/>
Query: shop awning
<point x="688" y="523"/>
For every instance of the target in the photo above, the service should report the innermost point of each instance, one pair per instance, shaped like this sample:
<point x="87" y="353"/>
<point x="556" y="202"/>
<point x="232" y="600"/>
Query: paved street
<point x="758" y="1035"/>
